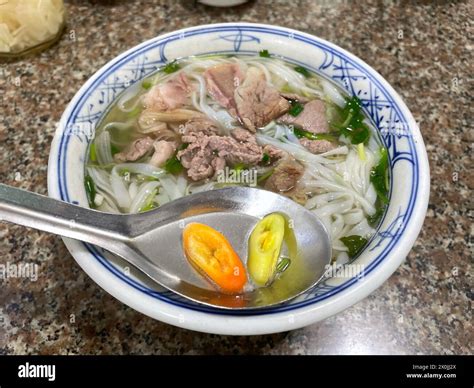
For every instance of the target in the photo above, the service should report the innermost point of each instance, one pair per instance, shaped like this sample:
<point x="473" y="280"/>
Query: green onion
<point x="300" y="133"/>
<point x="303" y="70"/>
<point x="92" y="153"/>
<point x="286" y="89"/>
<point x="283" y="265"/>
<point x="124" y="171"/>
<point x="147" y="208"/>
<point x="90" y="190"/>
<point x="239" y="167"/>
<point x="145" y="178"/>
<point x="146" y="84"/>
<point x="265" y="158"/>
<point x="296" y="108"/>
<point x="264" y="54"/>
<point x="149" y="204"/>
<point x="134" y="112"/>
<point x="379" y="176"/>
<point x="354" y="244"/>
<point x="361" y="151"/>
<point x="265" y="176"/>
<point x="173" y="165"/>
<point x="171" y="67"/>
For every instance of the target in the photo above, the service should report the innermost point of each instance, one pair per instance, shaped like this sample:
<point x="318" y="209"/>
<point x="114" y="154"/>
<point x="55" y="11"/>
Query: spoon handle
<point x="50" y="215"/>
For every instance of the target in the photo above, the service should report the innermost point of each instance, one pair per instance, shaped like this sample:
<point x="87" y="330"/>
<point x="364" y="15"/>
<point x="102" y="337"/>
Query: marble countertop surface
<point x="422" y="48"/>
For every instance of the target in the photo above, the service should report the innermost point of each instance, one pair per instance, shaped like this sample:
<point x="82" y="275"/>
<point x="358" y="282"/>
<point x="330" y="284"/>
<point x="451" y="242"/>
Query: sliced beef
<point x="221" y="82"/>
<point x="285" y="177"/>
<point x="244" y="136"/>
<point x="258" y="102"/>
<point x="206" y="153"/>
<point x="202" y="125"/>
<point x="317" y="146"/>
<point x="273" y="152"/>
<point x="235" y="152"/>
<point x="163" y="151"/>
<point x="311" y="119"/>
<point x="199" y="158"/>
<point x="134" y="151"/>
<point x="170" y="95"/>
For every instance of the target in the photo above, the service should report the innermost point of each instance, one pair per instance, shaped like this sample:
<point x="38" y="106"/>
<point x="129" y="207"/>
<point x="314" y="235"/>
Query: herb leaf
<point x="354" y="244"/>
<point x="173" y="165"/>
<point x="358" y="135"/>
<point x="171" y="67"/>
<point x="92" y="153"/>
<point x="90" y="190"/>
<point x="264" y="53"/>
<point x="352" y="125"/>
<point x="379" y="176"/>
<point x="374" y="219"/>
<point x="265" y="158"/>
<point x="303" y="70"/>
<point x="114" y="149"/>
<point x="296" y="108"/>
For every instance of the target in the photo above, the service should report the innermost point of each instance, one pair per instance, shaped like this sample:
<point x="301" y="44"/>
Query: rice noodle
<point x="332" y="93"/>
<point x="171" y="188"/>
<point x="103" y="149"/>
<point x="120" y="191"/>
<point x="117" y="125"/>
<point x="204" y="107"/>
<point x="296" y="150"/>
<point x="129" y="94"/>
<point x="142" y="196"/>
<point x="264" y="70"/>
<point x="294" y="80"/>
<point x="162" y="198"/>
<point x="139" y="168"/>
<point x="101" y="180"/>
<point x="133" y="189"/>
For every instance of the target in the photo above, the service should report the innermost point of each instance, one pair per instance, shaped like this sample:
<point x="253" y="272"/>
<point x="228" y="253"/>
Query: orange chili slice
<point x="212" y="255"/>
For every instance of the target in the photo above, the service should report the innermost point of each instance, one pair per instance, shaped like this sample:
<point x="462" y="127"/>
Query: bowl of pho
<point x="240" y="104"/>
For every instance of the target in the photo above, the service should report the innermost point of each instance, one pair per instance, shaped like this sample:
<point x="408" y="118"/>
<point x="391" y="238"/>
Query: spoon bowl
<point x="152" y="241"/>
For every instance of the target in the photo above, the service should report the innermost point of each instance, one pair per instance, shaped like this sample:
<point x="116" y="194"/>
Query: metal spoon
<point x="152" y="242"/>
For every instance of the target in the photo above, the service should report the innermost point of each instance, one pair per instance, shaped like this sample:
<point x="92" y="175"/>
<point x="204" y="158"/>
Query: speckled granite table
<point x="422" y="48"/>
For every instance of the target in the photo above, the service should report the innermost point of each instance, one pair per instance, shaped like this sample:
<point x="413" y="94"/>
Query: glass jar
<point x="28" y="26"/>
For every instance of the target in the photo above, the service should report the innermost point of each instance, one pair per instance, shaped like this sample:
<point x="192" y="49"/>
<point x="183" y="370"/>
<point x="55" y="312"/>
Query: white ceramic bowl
<point x="385" y="252"/>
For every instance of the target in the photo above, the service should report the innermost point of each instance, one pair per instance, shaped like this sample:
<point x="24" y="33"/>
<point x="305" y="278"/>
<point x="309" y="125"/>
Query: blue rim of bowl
<point x="164" y="295"/>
